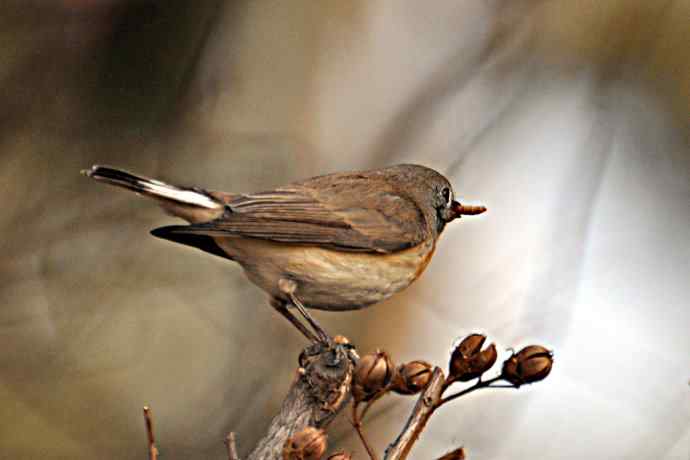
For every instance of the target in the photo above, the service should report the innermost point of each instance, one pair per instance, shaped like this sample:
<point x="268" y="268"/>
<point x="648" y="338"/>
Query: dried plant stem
<point x="357" y="424"/>
<point x="324" y="385"/>
<point x="448" y="382"/>
<point x="148" y="418"/>
<point x="430" y="400"/>
<point x="426" y="404"/>
<point x="477" y="386"/>
<point x="231" y="446"/>
<point x="317" y="395"/>
<point x="370" y="403"/>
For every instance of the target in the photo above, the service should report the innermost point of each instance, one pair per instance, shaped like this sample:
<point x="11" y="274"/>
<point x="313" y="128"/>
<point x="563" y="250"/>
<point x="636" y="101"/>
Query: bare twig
<point x="148" y="418"/>
<point x="426" y="404"/>
<point x="370" y="403"/>
<point x="322" y="388"/>
<point x="430" y="400"/>
<point x="231" y="446"/>
<point x="357" y="424"/>
<point x="480" y="384"/>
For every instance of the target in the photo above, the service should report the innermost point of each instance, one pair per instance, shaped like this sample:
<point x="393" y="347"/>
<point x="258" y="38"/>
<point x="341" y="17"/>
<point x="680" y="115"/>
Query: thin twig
<point x="430" y="400"/>
<point x="148" y="418"/>
<point x="426" y="404"/>
<point x="231" y="446"/>
<point x="477" y="386"/>
<point x="369" y="404"/>
<point x="357" y="424"/>
<point x="448" y="382"/>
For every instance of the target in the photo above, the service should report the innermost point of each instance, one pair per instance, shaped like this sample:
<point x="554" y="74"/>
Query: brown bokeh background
<point x="569" y="120"/>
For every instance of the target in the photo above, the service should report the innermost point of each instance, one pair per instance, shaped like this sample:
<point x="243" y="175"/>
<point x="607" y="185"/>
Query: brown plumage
<point x="343" y="240"/>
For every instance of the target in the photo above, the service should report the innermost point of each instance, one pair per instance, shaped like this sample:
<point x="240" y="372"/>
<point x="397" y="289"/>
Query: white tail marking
<point x="184" y="196"/>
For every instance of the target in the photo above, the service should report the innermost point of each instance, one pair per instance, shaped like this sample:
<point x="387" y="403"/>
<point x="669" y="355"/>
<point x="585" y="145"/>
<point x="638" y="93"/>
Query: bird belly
<point x="328" y="279"/>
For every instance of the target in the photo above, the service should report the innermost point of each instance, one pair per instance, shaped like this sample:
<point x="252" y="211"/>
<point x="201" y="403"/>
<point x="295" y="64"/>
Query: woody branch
<point x="330" y="376"/>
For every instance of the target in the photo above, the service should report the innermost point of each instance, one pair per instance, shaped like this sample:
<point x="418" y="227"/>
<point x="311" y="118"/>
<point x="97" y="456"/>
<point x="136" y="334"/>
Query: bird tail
<point x="192" y="204"/>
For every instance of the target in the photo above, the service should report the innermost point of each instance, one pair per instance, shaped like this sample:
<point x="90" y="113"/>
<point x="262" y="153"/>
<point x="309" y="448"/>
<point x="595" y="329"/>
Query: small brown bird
<point x="340" y="241"/>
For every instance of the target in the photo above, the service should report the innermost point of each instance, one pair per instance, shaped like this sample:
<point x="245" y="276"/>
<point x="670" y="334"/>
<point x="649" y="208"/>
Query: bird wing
<point x="349" y="214"/>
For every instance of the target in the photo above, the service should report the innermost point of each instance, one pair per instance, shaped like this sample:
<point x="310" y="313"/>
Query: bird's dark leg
<point x="288" y="287"/>
<point x="280" y="306"/>
<point x="320" y="332"/>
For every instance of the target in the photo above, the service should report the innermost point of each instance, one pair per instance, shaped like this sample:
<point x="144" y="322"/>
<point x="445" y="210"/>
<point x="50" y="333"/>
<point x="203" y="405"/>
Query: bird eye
<point x="445" y="193"/>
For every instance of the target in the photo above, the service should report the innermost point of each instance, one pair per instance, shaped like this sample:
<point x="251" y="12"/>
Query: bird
<point x="337" y="242"/>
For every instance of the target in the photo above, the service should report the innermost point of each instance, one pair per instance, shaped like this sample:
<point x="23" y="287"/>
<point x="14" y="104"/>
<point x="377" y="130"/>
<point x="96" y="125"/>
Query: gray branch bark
<point x="320" y="390"/>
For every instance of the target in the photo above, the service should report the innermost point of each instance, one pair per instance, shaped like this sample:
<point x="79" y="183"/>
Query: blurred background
<point x="569" y="120"/>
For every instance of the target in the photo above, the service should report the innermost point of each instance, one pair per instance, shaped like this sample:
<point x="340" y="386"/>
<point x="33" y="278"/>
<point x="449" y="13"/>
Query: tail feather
<point x="194" y="205"/>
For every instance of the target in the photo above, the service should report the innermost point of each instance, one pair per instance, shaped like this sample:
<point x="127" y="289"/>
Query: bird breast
<point x="329" y="279"/>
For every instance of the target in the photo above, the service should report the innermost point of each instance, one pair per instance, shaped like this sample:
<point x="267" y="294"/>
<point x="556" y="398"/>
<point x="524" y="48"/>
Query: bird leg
<point x="288" y="287"/>
<point x="281" y="308"/>
<point x="320" y="332"/>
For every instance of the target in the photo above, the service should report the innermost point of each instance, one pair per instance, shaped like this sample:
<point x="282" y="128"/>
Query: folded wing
<point x="348" y="215"/>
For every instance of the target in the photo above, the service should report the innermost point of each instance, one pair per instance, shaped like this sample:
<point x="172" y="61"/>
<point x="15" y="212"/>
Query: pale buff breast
<point x="328" y="279"/>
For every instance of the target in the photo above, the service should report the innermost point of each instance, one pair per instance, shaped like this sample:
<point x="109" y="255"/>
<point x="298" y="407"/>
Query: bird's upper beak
<point x="457" y="210"/>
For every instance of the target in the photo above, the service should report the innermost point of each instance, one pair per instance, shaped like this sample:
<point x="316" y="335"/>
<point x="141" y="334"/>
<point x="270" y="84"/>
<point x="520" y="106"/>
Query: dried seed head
<point x="341" y="340"/>
<point x="374" y="372"/>
<point x="412" y="377"/>
<point x="468" y="362"/>
<point x="459" y="359"/>
<point x="529" y="365"/>
<point x="484" y="360"/>
<point x="471" y="344"/>
<point x="457" y="454"/>
<point x="308" y="444"/>
<point x="340" y="456"/>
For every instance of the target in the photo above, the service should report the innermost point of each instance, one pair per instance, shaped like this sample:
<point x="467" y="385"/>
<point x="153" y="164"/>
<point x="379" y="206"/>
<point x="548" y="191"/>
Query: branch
<point x="320" y="390"/>
<point x="357" y="425"/>
<point x="231" y="446"/>
<point x="480" y="384"/>
<point x="153" y="451"/>
<point x="324" y="384"/>
<point x="468" y="362"/>
<point x="426" y="404"/>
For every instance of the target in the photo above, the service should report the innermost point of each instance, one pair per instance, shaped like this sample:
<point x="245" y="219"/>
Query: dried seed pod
<point x="529" y="365"/>
<point x="471" y="344"/>
<point x="412" y="377"/>
<point x="484" y="360"/>
<point x="341" y="340"/>
<point x="468" y="361"/>
<point x="457" y="454"/>
<point x="340" y="456"/>
<point x="308" y="444"/>
<point x="373" y="374"/>
<point x="459" y="359"/>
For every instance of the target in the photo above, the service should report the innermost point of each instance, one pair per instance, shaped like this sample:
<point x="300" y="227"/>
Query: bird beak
<point x="465" y="210"/>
